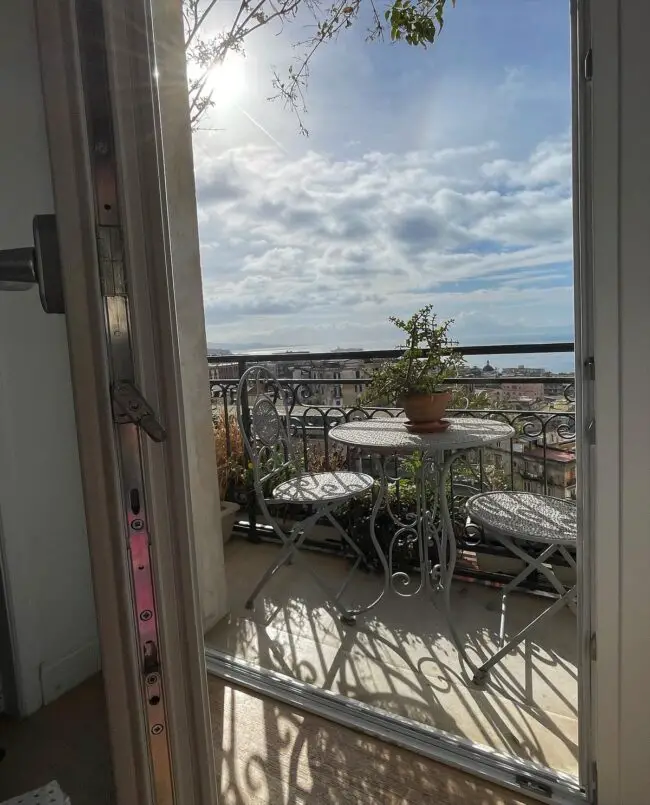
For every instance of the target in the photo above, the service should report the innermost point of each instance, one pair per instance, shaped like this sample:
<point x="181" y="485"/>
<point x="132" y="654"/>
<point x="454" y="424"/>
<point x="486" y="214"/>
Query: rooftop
<point x="551" y="454"/>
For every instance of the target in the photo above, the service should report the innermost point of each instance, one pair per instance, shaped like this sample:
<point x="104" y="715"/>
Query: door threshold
<point x="523" y="777"/>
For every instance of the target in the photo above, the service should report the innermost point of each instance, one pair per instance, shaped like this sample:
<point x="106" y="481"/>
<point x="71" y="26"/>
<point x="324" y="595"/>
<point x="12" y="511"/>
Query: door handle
<point x="38" y="265"/>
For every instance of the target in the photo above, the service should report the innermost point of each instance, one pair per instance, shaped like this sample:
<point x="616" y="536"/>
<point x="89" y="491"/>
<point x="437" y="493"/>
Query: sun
<point x="227" y="81"/>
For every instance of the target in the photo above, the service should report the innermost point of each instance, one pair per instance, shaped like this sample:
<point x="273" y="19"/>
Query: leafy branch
<point x="416" y="22"/>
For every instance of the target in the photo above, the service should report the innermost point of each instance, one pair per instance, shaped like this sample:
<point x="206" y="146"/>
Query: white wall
<point x="42" y="521"/>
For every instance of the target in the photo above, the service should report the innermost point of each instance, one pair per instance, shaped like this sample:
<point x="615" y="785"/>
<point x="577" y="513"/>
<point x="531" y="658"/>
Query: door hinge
<point x="593" y="647"/>
<point x="590" y="368"/>
<point x="594" y="783"/>
<point x="591" y="432"/>
<point x="588" y="65"/>
<point x="129" y="406"/>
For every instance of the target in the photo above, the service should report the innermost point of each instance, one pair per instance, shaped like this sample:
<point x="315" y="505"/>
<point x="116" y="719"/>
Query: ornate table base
<point x="431" y="525"/>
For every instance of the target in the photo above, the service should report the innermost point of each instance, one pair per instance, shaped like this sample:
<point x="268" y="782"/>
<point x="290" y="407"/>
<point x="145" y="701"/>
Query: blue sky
<point x="438" y="176"/>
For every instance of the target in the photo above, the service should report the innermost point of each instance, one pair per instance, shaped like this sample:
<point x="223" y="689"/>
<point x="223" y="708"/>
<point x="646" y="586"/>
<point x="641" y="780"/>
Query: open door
<point x="114" y="79"/>
<point x="111" y="72"/>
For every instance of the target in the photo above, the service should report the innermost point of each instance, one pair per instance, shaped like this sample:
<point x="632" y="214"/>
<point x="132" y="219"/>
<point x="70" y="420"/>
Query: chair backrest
<point x="263" y="417"/>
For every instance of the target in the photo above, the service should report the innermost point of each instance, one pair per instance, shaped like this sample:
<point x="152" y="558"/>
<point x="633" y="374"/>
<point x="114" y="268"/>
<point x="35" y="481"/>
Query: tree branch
<point x="199" y="20"/>
<point x="417" y="22"/>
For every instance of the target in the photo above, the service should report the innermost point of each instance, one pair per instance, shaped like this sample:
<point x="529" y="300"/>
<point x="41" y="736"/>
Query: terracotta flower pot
<point x="425" y="409"/>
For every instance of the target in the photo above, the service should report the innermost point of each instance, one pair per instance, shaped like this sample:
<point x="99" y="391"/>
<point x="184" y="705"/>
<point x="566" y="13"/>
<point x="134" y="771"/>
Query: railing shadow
<point x="267" y="753"/>
<point x="410" y="669"/>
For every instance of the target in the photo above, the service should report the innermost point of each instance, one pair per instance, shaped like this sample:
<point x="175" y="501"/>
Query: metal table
<point x="432" y="524"/>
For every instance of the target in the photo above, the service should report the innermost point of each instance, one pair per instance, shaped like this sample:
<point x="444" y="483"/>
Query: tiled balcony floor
<point x="400" y="657"/>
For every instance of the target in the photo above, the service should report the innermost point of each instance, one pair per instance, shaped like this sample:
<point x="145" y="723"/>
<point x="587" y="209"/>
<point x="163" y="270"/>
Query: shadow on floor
<point x="270" y="754"/>
<point x="400" y="658"/>
<point x="266" y="754"/>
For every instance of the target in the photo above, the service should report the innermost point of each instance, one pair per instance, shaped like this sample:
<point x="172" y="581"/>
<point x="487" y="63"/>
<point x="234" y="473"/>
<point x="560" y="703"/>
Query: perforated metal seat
<point x="525" y="516"/>
<point x="323" y="487"/>
<point x="519" y="520"/>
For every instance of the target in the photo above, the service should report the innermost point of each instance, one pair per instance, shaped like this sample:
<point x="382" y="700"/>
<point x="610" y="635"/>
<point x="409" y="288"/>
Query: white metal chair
<point x="513" y="518"/>
<point x="278" y="479"/>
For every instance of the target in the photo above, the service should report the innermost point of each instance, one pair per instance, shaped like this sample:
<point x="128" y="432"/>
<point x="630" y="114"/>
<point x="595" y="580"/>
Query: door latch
<point x="151" y="663"/>
<point x="130" y="406"/>
<point x="591" y="432"/>
<point x="588" y="65"/>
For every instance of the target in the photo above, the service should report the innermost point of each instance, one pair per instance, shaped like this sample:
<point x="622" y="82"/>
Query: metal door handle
<point x="38" y="265"/>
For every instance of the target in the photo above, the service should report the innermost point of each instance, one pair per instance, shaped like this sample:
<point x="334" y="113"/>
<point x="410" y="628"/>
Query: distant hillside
<point x="215" y="351"/>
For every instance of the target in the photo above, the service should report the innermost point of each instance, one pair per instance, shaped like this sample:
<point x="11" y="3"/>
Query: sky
<point x="436" y="176"/>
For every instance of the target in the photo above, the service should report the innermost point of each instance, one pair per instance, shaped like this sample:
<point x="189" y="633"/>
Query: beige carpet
<point x="266" y="754"/>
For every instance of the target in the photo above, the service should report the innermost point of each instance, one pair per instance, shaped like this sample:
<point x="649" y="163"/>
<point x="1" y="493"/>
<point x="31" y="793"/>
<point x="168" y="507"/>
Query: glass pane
<point x="430" y="176"/>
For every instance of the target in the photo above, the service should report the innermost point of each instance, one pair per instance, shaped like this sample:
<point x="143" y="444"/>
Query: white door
<point x="112" y="73"/>
<point x="114" y="80"/>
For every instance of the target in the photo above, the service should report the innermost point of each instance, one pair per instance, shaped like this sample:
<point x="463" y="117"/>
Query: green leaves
<point x="417" y="23"/>
<point x="231" y="25"/>
<point x="430" y="358"/>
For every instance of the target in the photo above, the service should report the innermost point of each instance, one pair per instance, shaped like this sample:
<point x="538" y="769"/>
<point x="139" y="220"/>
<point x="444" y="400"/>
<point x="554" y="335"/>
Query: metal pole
<point x="251" y="505"/>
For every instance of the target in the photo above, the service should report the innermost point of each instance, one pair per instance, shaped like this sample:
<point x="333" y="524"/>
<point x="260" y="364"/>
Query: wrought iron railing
<point x="499" y="466"/>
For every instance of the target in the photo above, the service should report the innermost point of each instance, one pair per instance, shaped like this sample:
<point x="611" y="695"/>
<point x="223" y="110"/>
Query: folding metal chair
<point x="279" y="480"/>
<point x="514" y="518"/>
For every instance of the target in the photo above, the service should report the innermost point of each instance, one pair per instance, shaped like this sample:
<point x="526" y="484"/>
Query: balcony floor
<point x="265" y="754"/>
<point x="400" y="657"/>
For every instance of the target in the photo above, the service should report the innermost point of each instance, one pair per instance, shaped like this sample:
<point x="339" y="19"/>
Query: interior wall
<point x="43" y="543"/>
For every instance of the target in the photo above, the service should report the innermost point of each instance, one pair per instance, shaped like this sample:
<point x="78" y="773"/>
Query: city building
<point x="546" y="470"/>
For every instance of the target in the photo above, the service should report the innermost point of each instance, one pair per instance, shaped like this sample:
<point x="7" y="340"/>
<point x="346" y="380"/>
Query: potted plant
<point x="416" y="380"/>
<point x="231" y="467"/>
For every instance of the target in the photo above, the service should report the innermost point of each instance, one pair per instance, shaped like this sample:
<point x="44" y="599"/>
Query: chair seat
<point x="323" y="487"/>
<point x="535" y="518"/>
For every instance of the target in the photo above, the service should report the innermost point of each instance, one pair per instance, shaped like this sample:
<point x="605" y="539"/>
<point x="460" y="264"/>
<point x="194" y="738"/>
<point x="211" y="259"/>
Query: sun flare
<point x="226" y="82"/>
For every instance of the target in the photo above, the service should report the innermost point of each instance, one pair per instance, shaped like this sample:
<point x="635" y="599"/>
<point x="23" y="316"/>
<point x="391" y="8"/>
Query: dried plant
<point x="229" y="451"/>
<point x="318" y="461"/>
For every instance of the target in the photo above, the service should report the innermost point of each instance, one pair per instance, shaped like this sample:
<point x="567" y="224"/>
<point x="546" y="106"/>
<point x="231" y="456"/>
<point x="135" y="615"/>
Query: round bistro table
<point x="434" y="454"/>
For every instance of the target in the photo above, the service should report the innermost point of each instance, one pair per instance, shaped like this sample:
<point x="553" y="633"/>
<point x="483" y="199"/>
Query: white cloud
<point x="549" y="164"/>
<point x="317" y="251"/>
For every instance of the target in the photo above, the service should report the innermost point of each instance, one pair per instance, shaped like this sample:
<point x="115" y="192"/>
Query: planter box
<point x="494" y="563"/>
<point x="229" y="512"/>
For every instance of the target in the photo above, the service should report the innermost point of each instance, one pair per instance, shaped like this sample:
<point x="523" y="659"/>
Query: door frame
<point x="620" y="204"/>
<point x="146" y="74"/>
<point x="584" y="378"/>
<point x="615" y="575"/>
<point x="8" y="686"/>
<point x="508" y="771"/>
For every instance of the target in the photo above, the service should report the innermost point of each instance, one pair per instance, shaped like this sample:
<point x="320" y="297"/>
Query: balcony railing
<point x="541" y="426"/>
